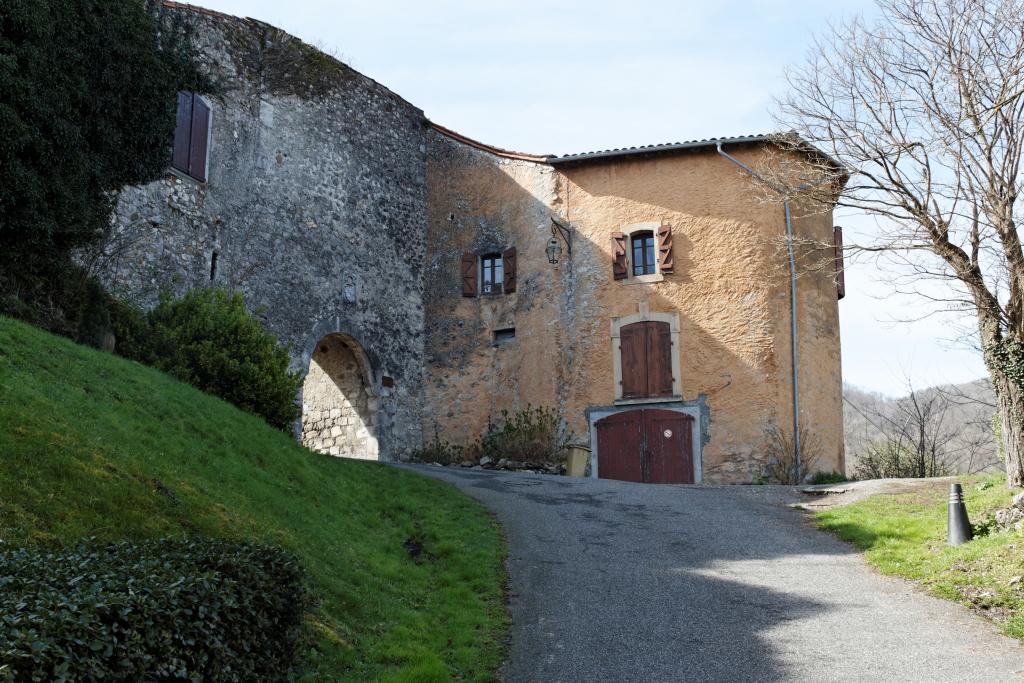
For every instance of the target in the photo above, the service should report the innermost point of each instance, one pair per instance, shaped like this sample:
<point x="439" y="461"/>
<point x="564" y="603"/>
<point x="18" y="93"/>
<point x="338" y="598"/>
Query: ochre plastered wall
<point x="729" y="287"/>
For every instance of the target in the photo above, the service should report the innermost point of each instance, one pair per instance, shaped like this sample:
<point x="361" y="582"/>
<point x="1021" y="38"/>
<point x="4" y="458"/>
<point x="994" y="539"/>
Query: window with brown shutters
<point x="646" y="359"/>
<point x="620" y="269"/>
<point x="837" y="237"/>
<point x="492" y="273"/>
<point x="191" y="136"/>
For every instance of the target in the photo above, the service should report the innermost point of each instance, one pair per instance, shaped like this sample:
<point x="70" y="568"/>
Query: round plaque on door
<point x="668" y="433"/>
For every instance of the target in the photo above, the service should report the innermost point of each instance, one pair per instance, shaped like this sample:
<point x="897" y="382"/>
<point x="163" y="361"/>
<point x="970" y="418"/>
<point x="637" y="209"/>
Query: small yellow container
<point x="576" y="462"/>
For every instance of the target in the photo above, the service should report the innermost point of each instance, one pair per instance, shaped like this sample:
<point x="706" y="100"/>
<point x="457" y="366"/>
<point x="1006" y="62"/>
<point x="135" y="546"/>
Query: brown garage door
<point x="646" y="445"/>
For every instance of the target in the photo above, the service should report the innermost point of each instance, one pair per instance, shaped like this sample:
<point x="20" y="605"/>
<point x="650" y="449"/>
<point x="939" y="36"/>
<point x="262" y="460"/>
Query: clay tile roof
<point x="654" y="149"/>
<point x="498" y="151"/>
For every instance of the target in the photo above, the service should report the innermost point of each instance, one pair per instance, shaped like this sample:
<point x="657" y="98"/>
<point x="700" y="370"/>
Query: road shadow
<point x="624" y="582"/>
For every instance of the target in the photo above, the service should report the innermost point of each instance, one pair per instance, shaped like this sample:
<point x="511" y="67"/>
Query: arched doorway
<point x="339" y="406"/>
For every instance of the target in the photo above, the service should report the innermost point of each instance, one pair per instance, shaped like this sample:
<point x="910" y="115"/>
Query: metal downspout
<point x="794" y="355"/>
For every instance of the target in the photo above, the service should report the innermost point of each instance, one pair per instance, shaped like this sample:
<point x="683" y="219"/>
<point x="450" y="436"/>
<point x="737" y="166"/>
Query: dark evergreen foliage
<point x="208" y="339"/>
<point x="87" y="102"/>
<point x="155" y="610"/>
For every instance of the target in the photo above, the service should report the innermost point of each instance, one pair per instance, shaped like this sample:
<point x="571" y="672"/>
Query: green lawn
<point x="93" y="445"/>
<point x="905" y="535"/>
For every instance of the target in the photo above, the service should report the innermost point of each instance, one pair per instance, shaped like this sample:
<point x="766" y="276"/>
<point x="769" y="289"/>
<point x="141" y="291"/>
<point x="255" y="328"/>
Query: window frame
<point x="648" y="253"/>
<point x="493" y="264"/>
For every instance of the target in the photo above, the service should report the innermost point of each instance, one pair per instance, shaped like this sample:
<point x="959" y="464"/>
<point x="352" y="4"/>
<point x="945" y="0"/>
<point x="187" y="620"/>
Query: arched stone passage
<point x="339" y="406"/>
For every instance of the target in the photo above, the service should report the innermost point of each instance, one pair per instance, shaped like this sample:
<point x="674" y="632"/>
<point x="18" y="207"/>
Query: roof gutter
<point x="794" y="355"/>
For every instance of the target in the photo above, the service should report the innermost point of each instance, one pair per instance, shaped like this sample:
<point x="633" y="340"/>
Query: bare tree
<point x="926" y="433"/>
<point x="922" y="114"/>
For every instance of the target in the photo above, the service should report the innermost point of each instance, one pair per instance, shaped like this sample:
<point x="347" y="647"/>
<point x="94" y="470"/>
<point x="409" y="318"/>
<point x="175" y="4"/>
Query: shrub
<point x="208" y="339"/>
<point x="828" y="478"/>
<point x="155" y="610"/>
<point x="780" y="465"/>
<point x="439" y="451"/>
<point x="535" y="434"/>
<point x="890" y="459"/>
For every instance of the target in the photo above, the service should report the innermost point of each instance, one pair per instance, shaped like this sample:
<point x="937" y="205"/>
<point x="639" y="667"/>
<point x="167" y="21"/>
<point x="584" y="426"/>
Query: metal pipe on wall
<point x="794" y="355"/>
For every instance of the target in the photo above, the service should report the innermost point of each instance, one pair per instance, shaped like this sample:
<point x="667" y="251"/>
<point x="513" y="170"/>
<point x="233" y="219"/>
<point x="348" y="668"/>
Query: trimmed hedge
<point x="200" y="610"/>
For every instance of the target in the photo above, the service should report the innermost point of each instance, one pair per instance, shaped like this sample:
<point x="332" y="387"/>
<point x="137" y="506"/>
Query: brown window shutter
<point x="665" y="249"/>
<point x="659" y="358"/>
<point x="509" y="258"/>
<point x="633" y="361"/>
<point x="837" y="238"/>
<point x="620" y="268"/>
<point x="468" y="274"/>
<point x="182" y="132"/>
<point x="200" y="139"/>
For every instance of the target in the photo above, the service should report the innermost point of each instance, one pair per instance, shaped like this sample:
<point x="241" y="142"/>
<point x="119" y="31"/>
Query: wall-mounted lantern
<point x="563" y="229"/>
<point x="554" y="250"/>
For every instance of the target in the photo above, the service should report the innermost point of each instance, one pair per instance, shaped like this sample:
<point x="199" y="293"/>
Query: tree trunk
<point x="1010" y="404"/>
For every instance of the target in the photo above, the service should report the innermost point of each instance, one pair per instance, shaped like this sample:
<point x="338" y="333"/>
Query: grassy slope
<point x="905" y="535"/>
<point x="92" y="445"/>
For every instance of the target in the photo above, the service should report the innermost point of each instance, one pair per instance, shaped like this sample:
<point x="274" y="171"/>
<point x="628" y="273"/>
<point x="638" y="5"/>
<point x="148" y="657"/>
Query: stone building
<point x="408" y="269"/>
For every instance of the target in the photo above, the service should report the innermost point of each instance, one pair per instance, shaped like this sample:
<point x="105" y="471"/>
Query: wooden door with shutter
<point x="619" y="443"/>
<point x="668" y="447"/>
<point x="646" y="445"/>
<point x="645" y="359"/>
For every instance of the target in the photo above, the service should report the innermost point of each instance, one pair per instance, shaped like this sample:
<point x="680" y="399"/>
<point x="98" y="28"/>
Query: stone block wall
<point x="339" y="409"/>
<point x="314" y="208"/>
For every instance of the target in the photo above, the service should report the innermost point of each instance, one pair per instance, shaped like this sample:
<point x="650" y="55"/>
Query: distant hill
<point x="961" y="418"/>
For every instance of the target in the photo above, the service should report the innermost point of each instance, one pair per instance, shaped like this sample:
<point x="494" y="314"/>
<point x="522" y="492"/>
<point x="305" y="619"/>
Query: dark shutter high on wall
<point x="200" y="139"/>
<point x="191" y="135"/>
<point x="620" y="268"/>
<point x="509" y="258"/>
<point x="183" y="132"/>
<point x="665" y="249"/>
<point x="837" y="237"/>
<point x="646" y="359"/>
<point x="468" y="274"/>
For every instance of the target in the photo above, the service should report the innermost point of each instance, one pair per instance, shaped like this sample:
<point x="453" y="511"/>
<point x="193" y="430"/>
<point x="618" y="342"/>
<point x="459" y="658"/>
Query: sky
<point x="557" y="78"/>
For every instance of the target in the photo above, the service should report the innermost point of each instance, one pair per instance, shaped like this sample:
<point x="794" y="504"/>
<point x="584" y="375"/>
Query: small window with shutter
<point x="192" y="136"/>
<point x="495" y="273"/>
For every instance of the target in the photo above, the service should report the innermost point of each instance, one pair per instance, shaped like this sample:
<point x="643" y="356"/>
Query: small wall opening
<point x="339" y="406"/>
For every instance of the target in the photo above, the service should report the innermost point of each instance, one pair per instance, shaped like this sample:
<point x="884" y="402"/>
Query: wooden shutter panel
<point x="659" y="358"/>
<point x="182" y="132"/>
<point x="620" y="268"/>
<point x="837" y="238"/>
<point x="633" y="360"/>
<point x="665" y="249"/>
<point x="509" y="259"/>
<point x="200" y="139"/>
<point x="468" y="274"/>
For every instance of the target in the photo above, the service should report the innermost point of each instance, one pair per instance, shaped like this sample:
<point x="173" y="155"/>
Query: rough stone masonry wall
<point x="314" y="208"/>
<point x="481" y="203"/>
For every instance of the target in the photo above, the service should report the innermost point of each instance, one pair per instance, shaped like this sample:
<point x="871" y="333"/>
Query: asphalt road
<point x="613" y="581"/>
